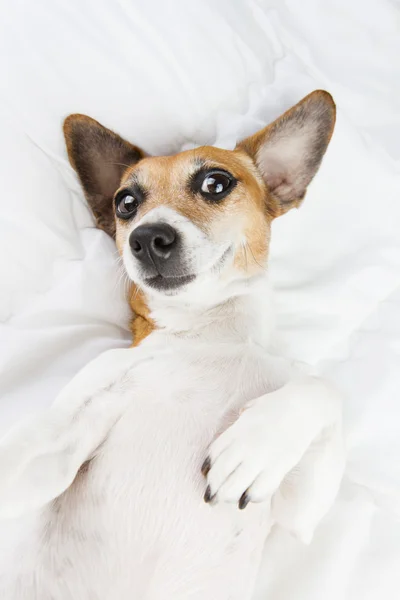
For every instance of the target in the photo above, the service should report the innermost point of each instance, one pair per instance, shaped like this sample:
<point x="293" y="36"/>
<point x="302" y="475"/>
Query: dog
<point x="160" y="469"/>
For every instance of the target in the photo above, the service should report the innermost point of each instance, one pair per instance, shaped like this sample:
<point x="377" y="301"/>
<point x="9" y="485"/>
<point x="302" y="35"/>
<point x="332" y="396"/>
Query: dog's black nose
<point x="153" y="244"/>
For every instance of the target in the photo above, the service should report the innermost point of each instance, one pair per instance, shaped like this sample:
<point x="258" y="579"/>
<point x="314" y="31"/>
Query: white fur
<point x="132" y="524"/>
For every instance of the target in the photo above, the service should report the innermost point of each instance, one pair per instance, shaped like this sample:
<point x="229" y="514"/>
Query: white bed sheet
<point x="171" y="74"/>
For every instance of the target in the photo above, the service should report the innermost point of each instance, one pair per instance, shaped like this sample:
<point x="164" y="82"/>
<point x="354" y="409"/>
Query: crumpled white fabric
<point x="169" y="75"/>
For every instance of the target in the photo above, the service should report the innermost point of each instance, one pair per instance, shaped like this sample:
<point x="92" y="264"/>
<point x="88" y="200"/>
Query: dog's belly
<point x="172" y="544"/>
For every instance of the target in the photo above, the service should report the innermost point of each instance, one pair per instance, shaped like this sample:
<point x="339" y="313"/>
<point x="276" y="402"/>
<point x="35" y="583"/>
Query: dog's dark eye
<point x="216" y="184"/>
<point x="126" y="206"/>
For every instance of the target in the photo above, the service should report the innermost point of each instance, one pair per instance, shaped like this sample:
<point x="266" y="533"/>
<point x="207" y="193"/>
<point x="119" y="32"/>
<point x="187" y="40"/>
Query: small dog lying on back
<point x="130" y="486"/>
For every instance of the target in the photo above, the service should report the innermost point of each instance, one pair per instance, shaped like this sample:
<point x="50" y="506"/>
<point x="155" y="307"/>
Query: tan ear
<point x="289" y="152"/>
<point x="100" y="157"/>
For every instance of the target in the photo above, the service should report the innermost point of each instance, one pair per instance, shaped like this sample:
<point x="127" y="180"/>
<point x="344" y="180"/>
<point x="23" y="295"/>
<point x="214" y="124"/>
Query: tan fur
<point x="166" y="178"/>
<point x="142" y="324"/>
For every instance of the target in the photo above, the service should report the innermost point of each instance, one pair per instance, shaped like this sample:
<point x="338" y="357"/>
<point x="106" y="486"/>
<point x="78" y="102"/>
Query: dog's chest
<point x="176" y="408"/>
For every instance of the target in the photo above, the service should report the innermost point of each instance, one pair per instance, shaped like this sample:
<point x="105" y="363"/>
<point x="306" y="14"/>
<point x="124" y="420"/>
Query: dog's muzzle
<point x="158" y="249"/>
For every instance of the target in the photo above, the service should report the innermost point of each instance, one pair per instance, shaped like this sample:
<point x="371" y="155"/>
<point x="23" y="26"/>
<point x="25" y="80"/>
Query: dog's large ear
<point x="288" y="152"/>
<point x="99" y="156"/>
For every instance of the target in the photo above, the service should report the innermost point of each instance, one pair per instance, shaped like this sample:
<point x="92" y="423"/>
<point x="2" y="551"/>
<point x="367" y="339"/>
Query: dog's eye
<point x="126" y="206"/>
<point x="216" y="184"/>
<point x="212" y="184"/>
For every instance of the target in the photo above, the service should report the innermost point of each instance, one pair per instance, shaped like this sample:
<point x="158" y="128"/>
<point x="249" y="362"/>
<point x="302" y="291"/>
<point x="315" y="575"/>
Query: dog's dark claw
<point x="244" y="500"/>
<point x="206" y="466"/>
<point x="208" y="495"/>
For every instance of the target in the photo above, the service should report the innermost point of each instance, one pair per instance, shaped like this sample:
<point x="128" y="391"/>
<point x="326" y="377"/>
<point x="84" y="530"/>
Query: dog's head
<point x="196" y="225"/>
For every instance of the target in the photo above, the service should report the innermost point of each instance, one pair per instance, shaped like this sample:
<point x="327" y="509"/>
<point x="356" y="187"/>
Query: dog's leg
<point x="308" y="491"/>
<point x="287" y="445"/>
<point x="40" y="459"/>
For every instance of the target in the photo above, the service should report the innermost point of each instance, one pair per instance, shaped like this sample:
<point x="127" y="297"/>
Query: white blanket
<point x="169" y="74"/>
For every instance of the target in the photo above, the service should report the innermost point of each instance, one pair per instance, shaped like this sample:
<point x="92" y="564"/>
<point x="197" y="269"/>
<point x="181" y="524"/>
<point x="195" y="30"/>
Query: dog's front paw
<point x="287" y="446"/>
<point x="248" y="462"/>
<point x="268" y="445"/>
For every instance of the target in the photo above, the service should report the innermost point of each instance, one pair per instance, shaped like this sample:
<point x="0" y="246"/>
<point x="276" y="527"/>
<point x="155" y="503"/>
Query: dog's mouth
<point x="163" y="283"/>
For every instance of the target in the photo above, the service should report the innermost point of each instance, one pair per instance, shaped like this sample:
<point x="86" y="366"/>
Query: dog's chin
<point x="168" y="285"/>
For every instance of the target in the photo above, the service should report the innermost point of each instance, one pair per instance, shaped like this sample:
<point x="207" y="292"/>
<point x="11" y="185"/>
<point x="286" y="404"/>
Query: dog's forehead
<point x="166" y="181"/>
<point x="176" y="170"/>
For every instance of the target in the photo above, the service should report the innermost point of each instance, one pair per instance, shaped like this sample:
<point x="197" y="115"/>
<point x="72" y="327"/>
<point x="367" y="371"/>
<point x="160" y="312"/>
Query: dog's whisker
<point x="137" y="290"/>
<point x="122" y="279"/>
<point x="244" y="245"/>
<point x="119" y="281"/>
<point x="118" y="164"/>
<point x="254" y="258"/>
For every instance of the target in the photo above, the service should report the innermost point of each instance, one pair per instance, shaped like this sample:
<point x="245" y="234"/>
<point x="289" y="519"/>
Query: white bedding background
<point x="168" y="74"/>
